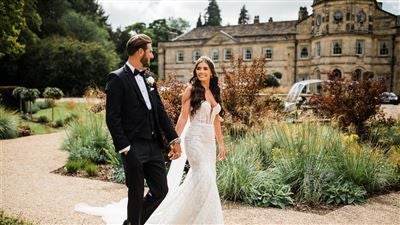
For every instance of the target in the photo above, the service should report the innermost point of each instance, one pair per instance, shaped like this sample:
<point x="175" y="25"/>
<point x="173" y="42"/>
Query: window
<point x="247" y="53"/>
<point x="336" y="47"/>
<point x="267" y="53"/>
<point x="227" y="54"/>
<point x="179" y="56"/>
<point x="304" y="52"/>
<point x="359" y="47"/>
<point x="214" y="55"/>
<point x="318" y="49"/>
<point x="383" y="48"/>
<point x="196" y="55"/>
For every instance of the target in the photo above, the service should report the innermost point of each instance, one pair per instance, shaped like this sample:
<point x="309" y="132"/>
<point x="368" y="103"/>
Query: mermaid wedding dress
<point x="196" y="200"/>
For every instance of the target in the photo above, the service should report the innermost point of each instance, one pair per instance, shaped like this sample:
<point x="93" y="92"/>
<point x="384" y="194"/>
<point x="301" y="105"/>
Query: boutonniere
<point x="150" y="81"/>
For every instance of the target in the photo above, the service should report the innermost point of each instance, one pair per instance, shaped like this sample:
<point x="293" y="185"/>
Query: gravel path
<point x="29" y="189"/>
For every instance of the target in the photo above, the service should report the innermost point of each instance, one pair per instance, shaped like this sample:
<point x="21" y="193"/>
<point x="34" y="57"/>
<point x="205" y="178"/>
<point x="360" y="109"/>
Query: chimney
<point x="303" y="13"/>
<point x="270" y="20"/>
<point x="172" y="35"/>
<point x="380" y="5"/>
<point x="256" y="19"/>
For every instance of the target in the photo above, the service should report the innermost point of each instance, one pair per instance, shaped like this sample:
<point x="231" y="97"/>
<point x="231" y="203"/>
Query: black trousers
<point x="144" y="162"/>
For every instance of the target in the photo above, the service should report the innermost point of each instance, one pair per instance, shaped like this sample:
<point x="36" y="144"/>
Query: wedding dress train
<point x="196" y="200"/>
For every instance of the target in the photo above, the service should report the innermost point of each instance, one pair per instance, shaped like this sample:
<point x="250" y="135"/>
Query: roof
<point x="242" y="30"/>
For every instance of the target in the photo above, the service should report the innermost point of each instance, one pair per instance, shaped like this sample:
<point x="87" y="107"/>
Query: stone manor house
<point x="343" y="37"/>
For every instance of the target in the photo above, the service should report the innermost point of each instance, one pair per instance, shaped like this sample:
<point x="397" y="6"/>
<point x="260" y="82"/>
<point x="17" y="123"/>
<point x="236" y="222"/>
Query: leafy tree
<point x="52" y="93"/>
<point x="213" y="14"/>
<point x="199" y="23"/>
<point x="51" y="12"/>
<point x="244" y="16"/>
<point x="87" y="30"/>
<point x="17" y="93"/>
<point x="177" y="25"/>
<point x="11" y="25"/>
<point x="30" y="95"/>
<point x="68" y="64"/>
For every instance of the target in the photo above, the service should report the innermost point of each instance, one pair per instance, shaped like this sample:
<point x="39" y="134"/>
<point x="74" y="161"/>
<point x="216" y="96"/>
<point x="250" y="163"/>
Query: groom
<point x="137" y="121"/>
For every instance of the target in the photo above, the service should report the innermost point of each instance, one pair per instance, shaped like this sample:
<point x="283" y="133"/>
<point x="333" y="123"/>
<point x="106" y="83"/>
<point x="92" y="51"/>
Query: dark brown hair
<point x="197" y="95"/>
<point x="136" y="42"/>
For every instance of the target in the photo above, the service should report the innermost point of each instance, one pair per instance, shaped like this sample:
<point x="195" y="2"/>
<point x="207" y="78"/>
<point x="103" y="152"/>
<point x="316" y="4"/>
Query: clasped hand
<point x="175" y="151"/>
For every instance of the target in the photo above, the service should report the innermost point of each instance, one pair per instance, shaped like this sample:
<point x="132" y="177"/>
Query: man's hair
<point x="136" y="42"/>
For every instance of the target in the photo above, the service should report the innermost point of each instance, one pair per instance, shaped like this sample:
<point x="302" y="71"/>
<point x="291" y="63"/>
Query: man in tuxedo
<point x="137" y="122"/>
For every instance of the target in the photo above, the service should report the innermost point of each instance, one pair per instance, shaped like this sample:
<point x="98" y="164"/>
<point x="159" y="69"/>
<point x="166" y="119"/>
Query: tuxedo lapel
<point x="134" y="83"/>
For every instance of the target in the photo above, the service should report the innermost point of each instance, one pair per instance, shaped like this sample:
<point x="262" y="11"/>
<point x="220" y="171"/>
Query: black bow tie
<point x="137" y="72"/>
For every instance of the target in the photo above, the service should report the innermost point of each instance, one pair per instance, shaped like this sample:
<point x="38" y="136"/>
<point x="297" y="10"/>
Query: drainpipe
<point x="295" y="60"/>
<point x="393" y="62"/>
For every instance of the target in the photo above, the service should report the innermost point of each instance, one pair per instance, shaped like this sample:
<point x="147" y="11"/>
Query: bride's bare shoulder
<point x="186" y="93"/>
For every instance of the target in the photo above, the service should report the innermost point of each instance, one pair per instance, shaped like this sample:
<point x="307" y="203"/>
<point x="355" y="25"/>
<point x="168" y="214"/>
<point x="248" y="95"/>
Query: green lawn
<point x="62" y="111"/>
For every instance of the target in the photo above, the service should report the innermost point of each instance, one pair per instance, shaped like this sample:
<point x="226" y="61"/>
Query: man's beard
<point x="145" y="61"/>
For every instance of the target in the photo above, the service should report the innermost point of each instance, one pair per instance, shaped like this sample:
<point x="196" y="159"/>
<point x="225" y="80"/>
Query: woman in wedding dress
<point x="196" y="200"/>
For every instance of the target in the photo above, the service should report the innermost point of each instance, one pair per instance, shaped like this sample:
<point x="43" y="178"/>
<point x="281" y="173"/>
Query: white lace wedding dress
<point x="196" y="200"/>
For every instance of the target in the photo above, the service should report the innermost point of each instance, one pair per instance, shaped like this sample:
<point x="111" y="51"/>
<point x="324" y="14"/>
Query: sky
<point x="122" y="13"/>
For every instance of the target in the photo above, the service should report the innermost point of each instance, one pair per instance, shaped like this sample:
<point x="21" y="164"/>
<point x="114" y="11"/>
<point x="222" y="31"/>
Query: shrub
<point x="267" y="191"/>
<point x="89" y="140"/>
<point x="344" y="192"/>
<point x="171" y="90"/>
<point x="52" y="93"/>
<point x="8" y="124"/>
<point x="240" y="89"/>
<point x="7" y="220"/>
<point x="119" y="175"/>
<point x="362" y="96"/>
<point x="91" y="169"/>
<point x="73" y="165"/>
<point x="43" y="119"/>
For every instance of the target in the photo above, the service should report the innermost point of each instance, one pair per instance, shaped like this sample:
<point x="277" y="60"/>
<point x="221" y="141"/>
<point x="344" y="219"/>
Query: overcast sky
<point x="125" y="12"/>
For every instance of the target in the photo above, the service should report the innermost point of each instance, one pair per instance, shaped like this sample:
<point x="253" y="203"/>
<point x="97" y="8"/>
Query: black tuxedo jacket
<point x="127" y="113"/>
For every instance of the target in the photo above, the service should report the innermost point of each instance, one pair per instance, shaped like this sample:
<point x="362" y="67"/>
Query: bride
<point x="196" y="200"/>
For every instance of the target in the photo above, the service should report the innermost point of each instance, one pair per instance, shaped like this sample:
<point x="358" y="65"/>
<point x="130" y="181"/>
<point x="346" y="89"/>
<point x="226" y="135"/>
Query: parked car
<point x="389" y="98"/>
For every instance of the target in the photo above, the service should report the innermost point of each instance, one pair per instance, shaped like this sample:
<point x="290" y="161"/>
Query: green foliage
<point x="244" y="16"/>
<point x="199" y="23"/>
<point x="74" y="165"/>
<point x="213" y="14"/>
<point x="43" y="119"/>
<point x="344" y="192"/>
<point x="267" y="192"/>
<point x="29" y="94"/>
<point x="8" y="124"/>
<point x="236" y="174"/>
<point x="178" y="25"/>
<point x="8" y="220"/>
<point x="119" y="175"/>
<point x="365" y="166"/>
<point x="89" y="140"/>
<point x="87" y="31"/>
<point x="53" y="93"/>
<point x="363" y="96"/>
<point x="91" y="169"/>
<point x="68" y="64"/>
<point x="11" y="26"/>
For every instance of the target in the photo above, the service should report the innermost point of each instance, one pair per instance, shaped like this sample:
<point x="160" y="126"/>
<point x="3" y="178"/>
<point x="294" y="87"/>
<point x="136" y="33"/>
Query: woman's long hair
<point x="197" y="95"/>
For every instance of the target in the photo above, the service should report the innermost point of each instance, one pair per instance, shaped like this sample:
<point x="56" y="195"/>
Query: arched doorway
<point x="357" y="74"/>
<point x="336" y="73"/>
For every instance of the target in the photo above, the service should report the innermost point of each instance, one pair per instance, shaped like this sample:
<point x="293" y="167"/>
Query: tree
<point x="11" y="25"/>
<point x="177" y="25"/>
<point x="350" y="102"/>
<point x="17" y="93"/>
<point x="52" y="93"/>
<point x="68" y="64"/>
<point x="213" y="14"/>
<point x="29" y="96"/>
<point x="244" y="16"/>
<point x="199" y="23"/>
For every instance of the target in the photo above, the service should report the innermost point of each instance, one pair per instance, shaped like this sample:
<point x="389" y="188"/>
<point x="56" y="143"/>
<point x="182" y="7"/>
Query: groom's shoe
<point x="126" y="222"/>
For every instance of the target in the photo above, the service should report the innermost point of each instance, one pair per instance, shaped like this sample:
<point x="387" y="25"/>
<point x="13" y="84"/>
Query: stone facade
<point x="344" y="37"/>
